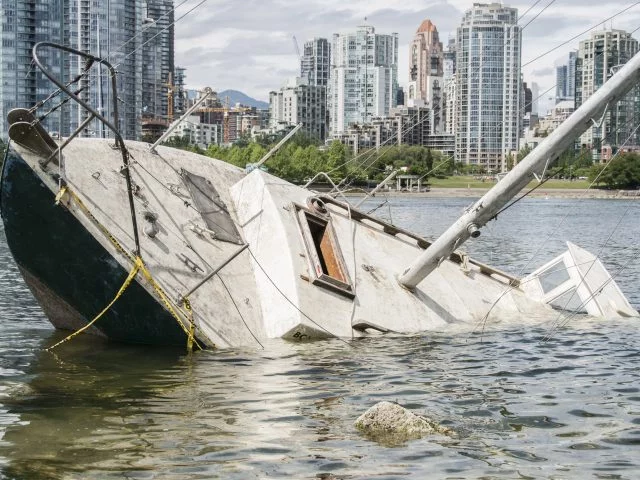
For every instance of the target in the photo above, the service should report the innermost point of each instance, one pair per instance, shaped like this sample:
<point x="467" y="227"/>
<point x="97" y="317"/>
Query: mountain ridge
<point x="236" y="96"/>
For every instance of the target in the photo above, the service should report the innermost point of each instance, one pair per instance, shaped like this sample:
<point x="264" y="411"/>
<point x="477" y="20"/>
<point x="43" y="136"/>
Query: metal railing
<point x="91" y="60"/>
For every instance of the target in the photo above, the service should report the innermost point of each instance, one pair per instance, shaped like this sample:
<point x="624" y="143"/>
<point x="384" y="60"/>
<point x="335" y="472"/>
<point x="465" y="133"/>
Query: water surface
<point x="524" y="406"/>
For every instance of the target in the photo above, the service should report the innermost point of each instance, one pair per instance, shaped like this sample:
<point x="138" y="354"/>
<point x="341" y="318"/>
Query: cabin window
<point x="553" y="277"/>
<point x="326" y="264"/>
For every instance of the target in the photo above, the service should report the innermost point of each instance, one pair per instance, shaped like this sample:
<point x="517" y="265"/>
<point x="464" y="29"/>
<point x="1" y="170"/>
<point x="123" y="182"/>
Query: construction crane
<point x="295" y="45"/>
<point x="226" y="110"/>
<point x="170" y="89"/>
<point x="225" y="121"/>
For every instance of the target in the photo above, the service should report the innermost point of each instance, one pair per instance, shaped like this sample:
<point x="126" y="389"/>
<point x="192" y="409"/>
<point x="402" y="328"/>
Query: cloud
<point x="249" y="46"/>
<point x="445" y="17"/>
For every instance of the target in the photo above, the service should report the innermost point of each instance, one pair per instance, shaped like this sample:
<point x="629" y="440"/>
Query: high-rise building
<point x="24" y="24"/>
<point x="315" y="64"/>
<point x="599" y="57"/>
<point x="110" y="30"/>
<point x="107" y="29"/>
<point x="315" y="68"/>
<point x="364" y="77"/>
<point x="527" y="119"/>
<point x="158" y="71"/>
<point x="449" y="94"/>
<point x="400" y="97"/>
<point x="449" y="111"/>
<point x="488" y="85"/>
<point x="449" y="60"/>
<point x="535" y="95"/>
<point x="566" y="79"/>
<point x="426" y="70"/>
<point x="526" y="101"/>
<point x="180" y="100"/>
<point x="298" y="102"/>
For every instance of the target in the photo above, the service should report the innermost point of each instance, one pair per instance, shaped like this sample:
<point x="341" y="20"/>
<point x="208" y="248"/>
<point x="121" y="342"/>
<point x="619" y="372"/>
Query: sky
<point x="248" y="45"/>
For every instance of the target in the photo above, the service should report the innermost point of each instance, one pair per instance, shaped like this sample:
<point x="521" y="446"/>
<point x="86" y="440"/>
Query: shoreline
<point x="442" y="192"/>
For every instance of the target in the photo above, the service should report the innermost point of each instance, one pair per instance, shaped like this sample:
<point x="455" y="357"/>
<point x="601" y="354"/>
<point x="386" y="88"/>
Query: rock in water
<point x="390" y="423"/>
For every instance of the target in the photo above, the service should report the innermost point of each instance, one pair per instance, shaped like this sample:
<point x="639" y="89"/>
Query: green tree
<point x="337" y="156"/>
<point x="623" y="172"/>
<point x="522" y="153"/>
<point x="183" y="143"/>
<point x="243" y="140"/>
<point x="509" y="161"/>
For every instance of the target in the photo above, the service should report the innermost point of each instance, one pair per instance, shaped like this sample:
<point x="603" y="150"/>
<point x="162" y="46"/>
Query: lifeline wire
<point x="176" y="21"/>
<point x="560" y="322"/>
<point x="561" y="221"/>
<point x="580" y="34"/>
<point x="542" y="55"/>
<point x="445" y="160"/>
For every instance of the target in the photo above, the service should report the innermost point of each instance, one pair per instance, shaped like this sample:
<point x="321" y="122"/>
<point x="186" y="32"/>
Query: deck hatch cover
<point x="213" y="210"/>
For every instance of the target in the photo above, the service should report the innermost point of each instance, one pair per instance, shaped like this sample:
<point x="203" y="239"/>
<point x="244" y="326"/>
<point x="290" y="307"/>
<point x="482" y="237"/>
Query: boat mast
<point x="485" y="209"/>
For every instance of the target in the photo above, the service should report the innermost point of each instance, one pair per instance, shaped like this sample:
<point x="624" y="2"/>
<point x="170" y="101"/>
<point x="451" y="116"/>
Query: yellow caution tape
<point x="138" y="266"/>
<point x="167" y="303"/>
<point x="190" y="337"/>
<point x="66" y="190"/>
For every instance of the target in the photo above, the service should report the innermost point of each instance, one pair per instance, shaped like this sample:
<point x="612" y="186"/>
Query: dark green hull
<point x="70" y="273"/>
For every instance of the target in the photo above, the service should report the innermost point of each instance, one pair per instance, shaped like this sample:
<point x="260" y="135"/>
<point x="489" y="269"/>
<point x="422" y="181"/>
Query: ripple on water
<point x="523" y="406"/>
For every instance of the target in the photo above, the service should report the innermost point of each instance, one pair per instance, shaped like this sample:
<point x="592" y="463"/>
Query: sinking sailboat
<point x="162" y="246"/>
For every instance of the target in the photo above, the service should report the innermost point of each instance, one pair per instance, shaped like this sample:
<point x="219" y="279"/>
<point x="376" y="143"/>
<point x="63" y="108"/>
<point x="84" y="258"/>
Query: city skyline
<point x="222" y="47"/>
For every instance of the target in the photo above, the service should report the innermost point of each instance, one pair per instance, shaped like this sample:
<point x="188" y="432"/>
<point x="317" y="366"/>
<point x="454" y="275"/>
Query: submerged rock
<point x="390" y="423"/>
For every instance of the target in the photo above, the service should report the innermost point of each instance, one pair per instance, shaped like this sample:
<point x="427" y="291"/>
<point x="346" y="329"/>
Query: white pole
<point x="275" y="149"/>
<point x="492" y="202"/>
<point x="378" y="187"/>
<point x="207" y="92"/>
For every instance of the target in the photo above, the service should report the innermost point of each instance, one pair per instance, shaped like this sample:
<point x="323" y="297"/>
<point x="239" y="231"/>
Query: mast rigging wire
<point x="580" y="34"/>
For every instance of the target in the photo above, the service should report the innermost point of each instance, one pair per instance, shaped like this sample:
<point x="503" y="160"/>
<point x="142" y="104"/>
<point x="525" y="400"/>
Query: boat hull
<point x="70" y="273"/>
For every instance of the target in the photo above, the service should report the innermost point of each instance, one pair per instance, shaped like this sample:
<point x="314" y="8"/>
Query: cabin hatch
<point x="327" y="268"/>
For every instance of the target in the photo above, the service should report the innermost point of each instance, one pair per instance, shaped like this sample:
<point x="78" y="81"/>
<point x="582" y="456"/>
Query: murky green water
<point x="523" y="407"/>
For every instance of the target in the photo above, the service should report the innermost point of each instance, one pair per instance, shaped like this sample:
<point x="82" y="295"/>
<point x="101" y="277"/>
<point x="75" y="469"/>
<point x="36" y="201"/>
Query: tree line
<point x="621" y="172"/>
<point x="302" y="157"/>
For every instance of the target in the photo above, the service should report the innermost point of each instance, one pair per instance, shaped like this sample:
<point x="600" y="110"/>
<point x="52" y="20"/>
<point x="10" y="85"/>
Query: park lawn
<point x="471" y="182"/>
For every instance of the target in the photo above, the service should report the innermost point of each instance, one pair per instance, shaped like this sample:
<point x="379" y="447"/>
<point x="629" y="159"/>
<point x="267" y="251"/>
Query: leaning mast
<point x="494" y="200"/>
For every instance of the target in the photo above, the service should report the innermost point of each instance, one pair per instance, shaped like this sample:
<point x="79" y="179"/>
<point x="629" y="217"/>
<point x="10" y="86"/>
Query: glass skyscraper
<point x="566" y="79"/>
<point x="315" y="64"/>
<point x="23" y="25"/>
<point x="112" y="29"/>
<point x="158" y="71"/>
<point x="488" y="86"/>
